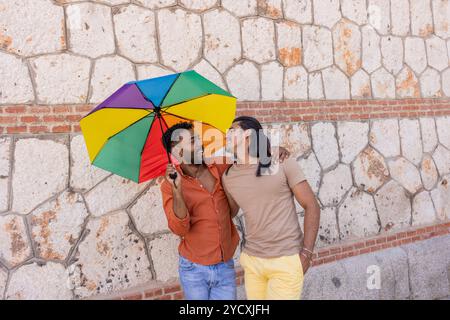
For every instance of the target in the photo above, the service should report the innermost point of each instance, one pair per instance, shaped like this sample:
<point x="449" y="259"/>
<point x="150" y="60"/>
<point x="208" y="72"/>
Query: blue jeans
<point x="214" y="282"/>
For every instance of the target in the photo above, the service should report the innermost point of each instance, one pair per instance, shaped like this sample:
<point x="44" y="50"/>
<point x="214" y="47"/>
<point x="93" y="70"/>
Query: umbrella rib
<point x="170" y="88"/>
<point x="183" y="118"/>
<point x="176" y="104"/>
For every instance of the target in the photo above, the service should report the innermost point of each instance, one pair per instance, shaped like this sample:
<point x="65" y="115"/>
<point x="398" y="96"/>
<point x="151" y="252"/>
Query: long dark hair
<point x="258" y="140"/>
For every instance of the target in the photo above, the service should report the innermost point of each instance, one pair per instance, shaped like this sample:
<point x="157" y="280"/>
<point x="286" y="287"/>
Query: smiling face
<point x="187" y="147"/>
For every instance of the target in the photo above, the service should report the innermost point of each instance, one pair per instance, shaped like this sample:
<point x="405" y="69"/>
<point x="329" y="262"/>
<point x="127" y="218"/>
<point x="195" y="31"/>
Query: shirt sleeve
<point x="178" y="226"/>
<point x="293" y="172"/>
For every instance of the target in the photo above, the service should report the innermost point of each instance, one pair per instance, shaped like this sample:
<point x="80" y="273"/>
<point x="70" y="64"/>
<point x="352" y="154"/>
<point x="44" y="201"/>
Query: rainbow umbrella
<point x="123" y="134"/>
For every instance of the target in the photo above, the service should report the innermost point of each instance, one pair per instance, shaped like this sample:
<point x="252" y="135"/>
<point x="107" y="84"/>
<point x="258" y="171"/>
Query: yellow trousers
<point x="272" y="278"/>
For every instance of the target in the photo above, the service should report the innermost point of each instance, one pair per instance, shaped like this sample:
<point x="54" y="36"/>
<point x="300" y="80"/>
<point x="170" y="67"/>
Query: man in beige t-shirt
<point x="276" y="253"/>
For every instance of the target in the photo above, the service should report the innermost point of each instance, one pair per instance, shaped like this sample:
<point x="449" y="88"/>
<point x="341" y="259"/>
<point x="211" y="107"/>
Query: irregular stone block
<point x="83" y="175"/>
<point x="156" y="4"/>
<point x="393" y="205"/>
<point x="335" y="83"/>
<point x="241" y="8"/>
<point x="384" y="136"/>
<point x="429" y="135"/>
<point x="148" y="213"/>
<point x="428" y="172"/>
<point x="354" y="10"/>
<point x="392" y="53"/>
<point x="400" y="14"/>
<point x="360" y="85"/>
<point x="441" y="14"/>
<point x="379" y="15"/>
<point x="441" y="157"/>
<point x="180" y="36"/>
<point x="311" y="169"/>
<point x="406" y="174"/>
<point x="207" y="71"/>
<point x="110" y="258"/>
<point x="272" y="81"/>
<point x="421" y="18"/>
<point x="42" y="33"/>
<point x="315" y="86"/>
<point x="422" y="209"/>
<point x="164" y="253"/>
<point x="270" y="9"/>
<point x="62" y="78"/>
<point x="15" y="82"/>
<point x="14" y="243"/>
<point x="41" y="170"/>
<point x="296" y="83"/>
<point x="383" y="84"/>
<point x="437" y="53"/>
<point x="441" y="198"/>
<point x="317" y="48"/>
<point x="415" y="54"/>
<point x="328" y="229"/>
<point x="370" y="170"/>
<point x="371" y="53"/>
<point x="4" y="194"/>
<point x="407" y="84"/>
<point x="298" y="10"/>
<point x="443" y="130"/>
<point x="430" y="83"/>
<point x="90" y="28"/>
<point x="326" y="12"/>
<point x="243" y="81"/>
<point x="289" y="44"/>
<point x="151" y="71"/>
<point x="222" y="45"/>
<point x="110" y="73"/>
<point x="357" y="216"/>
<point x="410" y="140"/>
<point x="258" y="39"/>
<point x="347" y="47"/>
<point x="99" y="199"/>
<point x="39" y="282"/>
<point x="136" y="33"/>
<point x="57" y="225"/>
<point x="5" y="144"/>
<point x="352" y="137"/>
<point x="335" y="185"/>
<point x="324" y="144"/>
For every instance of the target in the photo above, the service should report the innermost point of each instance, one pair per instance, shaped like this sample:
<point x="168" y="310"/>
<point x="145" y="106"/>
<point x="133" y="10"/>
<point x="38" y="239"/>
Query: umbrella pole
<point x="173" y="176"/>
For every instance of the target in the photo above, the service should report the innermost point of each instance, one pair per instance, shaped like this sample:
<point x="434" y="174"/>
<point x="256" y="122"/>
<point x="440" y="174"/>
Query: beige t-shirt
<point x="271" y="223"/>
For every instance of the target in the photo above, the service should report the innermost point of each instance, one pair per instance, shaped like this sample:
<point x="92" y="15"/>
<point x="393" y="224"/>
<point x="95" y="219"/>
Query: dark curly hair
<point x="167" y="135"/>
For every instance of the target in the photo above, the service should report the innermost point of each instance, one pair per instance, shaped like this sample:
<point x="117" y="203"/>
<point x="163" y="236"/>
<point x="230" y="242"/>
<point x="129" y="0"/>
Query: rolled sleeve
<point x="294" y="172"/>
<point x="178" y="226"/>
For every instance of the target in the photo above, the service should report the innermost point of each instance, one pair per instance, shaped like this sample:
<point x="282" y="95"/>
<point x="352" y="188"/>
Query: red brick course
<point x="32" y="119"/>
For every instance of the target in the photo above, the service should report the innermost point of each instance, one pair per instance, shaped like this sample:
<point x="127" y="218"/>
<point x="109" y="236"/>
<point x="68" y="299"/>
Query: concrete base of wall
<point x="419" y="270"/>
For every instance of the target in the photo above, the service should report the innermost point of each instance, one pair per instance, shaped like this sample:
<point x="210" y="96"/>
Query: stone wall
<point x="360" y="90"/>
<point x="77" y="231"/>
<point x="71" y="51"/>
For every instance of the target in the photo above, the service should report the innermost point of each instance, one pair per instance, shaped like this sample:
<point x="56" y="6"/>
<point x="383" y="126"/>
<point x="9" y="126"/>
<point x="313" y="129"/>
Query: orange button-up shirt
<point x="208" y="234"/>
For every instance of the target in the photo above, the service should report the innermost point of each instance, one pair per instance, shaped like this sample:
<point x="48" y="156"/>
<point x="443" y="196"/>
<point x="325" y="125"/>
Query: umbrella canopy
<point x="123" y="134"/>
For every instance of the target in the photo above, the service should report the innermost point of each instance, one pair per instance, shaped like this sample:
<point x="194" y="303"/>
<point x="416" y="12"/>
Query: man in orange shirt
<point x="198" y="211"/>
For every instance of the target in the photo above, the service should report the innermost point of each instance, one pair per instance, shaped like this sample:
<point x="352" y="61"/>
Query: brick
<point x="153" y="293"/>
<point x="38" y="129"/>
<point x="15" y="109"/>
<point x="136" y="296"/>
<point x="19" y="129"/>
<point x="172" y="288"/>
<point x="30" y="119"/>
<point x="65" y="128"/>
